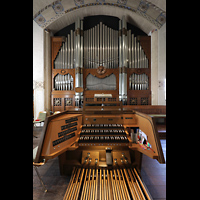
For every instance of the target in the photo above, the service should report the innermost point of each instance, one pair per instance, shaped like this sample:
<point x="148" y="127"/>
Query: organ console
<point x="94" y="146"/>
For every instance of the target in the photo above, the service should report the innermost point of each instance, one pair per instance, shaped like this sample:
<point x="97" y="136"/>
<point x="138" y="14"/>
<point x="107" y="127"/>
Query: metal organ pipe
<point x="124" y="42"/>
<point x="129" y="48"/>
<point x="93" y="49"/>
<point x="106" y="47"/>
<point x="110" y="48"/>
<point x="120" y="60"/>
<point x="136" y="55"/>
<point x="91" y="66"/>
<point x="108" y="59"/>
<point x="98" y="45"/>
<point x="124" y="61"/>
<point x="63" y="82"/>
<point x="69" y="52"/>
<point x="135" y="51"/>
<point x="78" y="42"/>
<point x="66" y="53"/>
<point x="100" y="59"/>
<point x="72" y="49"/>
<point x="138" y="82"/>
<point x="79" y="59"/>
<point x="132" y="49"/>
<point x="101" y="47"/>
<point x="65" y="57"/>
<point x="96" y="48"/>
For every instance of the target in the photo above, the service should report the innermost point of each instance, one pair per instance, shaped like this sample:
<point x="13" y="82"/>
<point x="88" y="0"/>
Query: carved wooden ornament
<point x="101" y="70"/>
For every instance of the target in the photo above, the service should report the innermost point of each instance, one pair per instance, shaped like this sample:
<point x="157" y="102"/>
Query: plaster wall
<point x="38" y="69"/>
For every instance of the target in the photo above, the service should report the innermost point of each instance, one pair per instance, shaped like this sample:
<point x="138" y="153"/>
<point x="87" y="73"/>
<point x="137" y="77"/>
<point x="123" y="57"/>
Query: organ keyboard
<point x="95" y="148"/>
<point x="103" y="134"/>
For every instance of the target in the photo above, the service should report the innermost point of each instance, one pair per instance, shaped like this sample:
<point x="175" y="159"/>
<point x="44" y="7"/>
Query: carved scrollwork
<point x="101" y="70"/>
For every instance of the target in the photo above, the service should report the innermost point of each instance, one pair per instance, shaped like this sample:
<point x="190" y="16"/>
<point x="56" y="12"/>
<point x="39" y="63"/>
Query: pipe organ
<point x="101" y="59"/>
<point x="96" y="147"/>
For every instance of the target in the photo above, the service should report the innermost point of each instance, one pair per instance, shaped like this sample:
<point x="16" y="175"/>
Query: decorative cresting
<point x="100" y="47"/>
<point x="101" y="70"/>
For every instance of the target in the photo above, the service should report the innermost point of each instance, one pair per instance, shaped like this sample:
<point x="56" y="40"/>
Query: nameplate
<point x="102" y="95"/>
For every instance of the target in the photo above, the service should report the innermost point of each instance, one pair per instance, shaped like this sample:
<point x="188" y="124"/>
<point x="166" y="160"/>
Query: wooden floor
<point x="153" y="175"/>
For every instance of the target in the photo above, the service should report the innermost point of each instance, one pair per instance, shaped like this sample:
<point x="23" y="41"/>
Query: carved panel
<point x="57" y="102"/>
<point x="144" y="100"/>
<point x="133" y="101"/>
<point x="68" y="102"/>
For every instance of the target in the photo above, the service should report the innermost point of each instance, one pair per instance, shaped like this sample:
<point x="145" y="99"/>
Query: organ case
<point x="101" y="60"/>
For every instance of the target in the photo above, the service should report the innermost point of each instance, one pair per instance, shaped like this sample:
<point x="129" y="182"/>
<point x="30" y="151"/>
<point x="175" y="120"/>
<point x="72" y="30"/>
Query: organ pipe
<point x="120" y="60"/>
<point x="72" y="49"/>
<point x="100" y="61"/>
<point x="124" y="42"/>
<point x="124" y="61"/>
<point x="138" y="82"/>
<point x="106" y="47"/>
<point x="101" y="47"/>
<point x="136" y="55"/>
<point x="96" y="48"/>
<point x="63" y="82"/>
<point x="69" y="51"/>
<point x="79" y="59"/>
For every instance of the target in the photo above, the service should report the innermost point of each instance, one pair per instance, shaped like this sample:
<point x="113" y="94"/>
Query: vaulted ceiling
<point x="55" y="15"/>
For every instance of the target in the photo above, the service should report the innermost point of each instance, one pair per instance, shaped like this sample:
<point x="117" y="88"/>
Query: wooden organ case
<point x="100" y="60"/>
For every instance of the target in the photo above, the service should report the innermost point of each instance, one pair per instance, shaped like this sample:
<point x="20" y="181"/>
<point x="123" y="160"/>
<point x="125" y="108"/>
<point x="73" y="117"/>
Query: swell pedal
<point x="108" y="156"/>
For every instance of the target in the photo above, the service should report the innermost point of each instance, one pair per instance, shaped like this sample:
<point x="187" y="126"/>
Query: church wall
<point x="154" y="67"/>
<point x="161" y="65"/>
<point x="38" y="69"/>
<point x="158" y="65"/>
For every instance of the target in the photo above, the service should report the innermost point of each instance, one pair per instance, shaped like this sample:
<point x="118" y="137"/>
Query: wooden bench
<point x="161" y="127"/>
